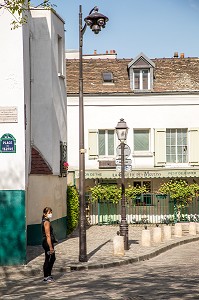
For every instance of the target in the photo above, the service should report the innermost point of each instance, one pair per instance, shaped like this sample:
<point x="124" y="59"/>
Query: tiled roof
<point x="38" y="163"/>
<point x="170" y="75"/>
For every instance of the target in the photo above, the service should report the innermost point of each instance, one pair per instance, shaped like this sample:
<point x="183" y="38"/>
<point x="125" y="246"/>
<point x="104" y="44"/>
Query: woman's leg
<point x="51" y="263"/>
<point x="49" y="260"/>
<point x="46" y="266"/>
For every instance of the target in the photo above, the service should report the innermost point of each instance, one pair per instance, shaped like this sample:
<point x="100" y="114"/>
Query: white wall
<point x="27" y="99"/>
<point x="29" y="80"/>
<point x="12" y="171"/>
<point x="51" y="191"/>
<point x="139" y="112"/>
<point x="48" y="89"/>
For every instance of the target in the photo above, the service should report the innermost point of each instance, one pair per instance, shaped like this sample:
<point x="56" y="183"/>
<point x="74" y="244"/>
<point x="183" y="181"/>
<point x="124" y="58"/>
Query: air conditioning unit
<point x="107" y="164"/>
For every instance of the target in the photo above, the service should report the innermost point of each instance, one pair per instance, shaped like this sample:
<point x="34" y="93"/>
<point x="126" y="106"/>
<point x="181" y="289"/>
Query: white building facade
<point x="32" y="125"/>
<point x="158" y="99"/>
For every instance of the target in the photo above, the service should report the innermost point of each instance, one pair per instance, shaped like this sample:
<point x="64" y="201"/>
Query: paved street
<point x="172" y="275"/>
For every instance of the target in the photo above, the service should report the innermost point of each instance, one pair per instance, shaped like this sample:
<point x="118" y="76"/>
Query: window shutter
<point x="160" y="147"/>
<point x="92" y="144"/>
<point x="193" y="146"/>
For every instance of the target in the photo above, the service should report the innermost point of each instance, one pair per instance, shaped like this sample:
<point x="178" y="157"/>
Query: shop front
<point x="150" y="207"/>
<point x="152" y="178"/>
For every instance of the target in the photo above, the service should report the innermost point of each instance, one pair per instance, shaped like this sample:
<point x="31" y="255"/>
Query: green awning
<point x="152" y="173"/>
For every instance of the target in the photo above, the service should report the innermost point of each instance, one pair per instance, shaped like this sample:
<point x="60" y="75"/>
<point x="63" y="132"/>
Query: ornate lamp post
<point x="122" y="130"/>
<point x="95" y="21"/>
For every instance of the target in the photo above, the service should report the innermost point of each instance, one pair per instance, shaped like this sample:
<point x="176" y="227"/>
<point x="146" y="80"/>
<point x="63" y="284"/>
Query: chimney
<point x="175" y="55"/>
<point x="106" y="51"/>
<point x="95" y="52"/>
<point x="181" y="55"/>
<point x="111" y="51"/>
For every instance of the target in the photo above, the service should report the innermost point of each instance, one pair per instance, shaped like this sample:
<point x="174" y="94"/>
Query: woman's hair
<point x="46" y="210"/>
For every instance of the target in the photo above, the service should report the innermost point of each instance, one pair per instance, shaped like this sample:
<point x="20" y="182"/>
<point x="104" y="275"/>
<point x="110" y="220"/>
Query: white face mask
<point x="49" y="216"/>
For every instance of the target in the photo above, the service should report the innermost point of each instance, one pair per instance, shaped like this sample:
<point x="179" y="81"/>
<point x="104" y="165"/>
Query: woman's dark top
<point x="51" y="230"/>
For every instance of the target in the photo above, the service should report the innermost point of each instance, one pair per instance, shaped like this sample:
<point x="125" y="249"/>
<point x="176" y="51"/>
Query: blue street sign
<point x="7" y="143"/>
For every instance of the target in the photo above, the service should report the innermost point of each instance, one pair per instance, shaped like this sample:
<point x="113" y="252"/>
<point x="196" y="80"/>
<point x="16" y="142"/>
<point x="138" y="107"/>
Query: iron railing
<point x="146" y="209"/>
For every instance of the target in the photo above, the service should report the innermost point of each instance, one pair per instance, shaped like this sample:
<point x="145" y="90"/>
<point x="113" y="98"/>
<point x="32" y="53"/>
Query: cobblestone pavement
<point x="170" y="275"/>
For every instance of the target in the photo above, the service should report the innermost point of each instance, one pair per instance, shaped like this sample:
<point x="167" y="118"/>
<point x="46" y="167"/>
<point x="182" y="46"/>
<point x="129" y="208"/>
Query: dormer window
<point x="141" y="73"/>
<point x="141" y="79"/>
<point x="107" y="77"/>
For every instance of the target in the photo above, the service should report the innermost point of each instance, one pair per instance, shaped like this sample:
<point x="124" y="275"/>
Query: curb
<point x="134" y="259"/>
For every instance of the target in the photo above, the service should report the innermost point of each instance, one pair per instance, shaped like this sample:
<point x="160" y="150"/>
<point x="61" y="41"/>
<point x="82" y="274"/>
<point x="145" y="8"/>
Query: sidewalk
<point x="99" y="250"/>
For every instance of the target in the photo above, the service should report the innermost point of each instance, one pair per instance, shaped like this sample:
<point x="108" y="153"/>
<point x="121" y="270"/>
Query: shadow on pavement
<point x="97" y="249"/>
<point x="127" y="283"/>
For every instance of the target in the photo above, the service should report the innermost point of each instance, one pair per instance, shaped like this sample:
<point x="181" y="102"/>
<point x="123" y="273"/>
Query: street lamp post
<point x="95" y="21"/>
<point x="122" y="130"/>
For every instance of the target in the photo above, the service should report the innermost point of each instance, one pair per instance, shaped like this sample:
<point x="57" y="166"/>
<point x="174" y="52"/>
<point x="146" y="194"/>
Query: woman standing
<point x="47" y="243"/>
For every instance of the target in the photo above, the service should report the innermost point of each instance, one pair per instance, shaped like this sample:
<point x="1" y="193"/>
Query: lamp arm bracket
<point x="93" y="9"/>
<point x="83" y="29"/>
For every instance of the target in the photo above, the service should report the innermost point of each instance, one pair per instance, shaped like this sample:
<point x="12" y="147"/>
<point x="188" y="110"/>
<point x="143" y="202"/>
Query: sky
<point x="158" y="28"/>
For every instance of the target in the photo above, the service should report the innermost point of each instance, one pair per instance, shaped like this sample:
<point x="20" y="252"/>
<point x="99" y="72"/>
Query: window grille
<point x="63" y="159"/>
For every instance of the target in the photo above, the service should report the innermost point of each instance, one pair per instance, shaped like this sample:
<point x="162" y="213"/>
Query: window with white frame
<point x="141" y="79"/>
<point x="176" y="145"/>
<point x="106" y="142"/>
<point x="141" y="71"/>
<point x="141" y="140"/>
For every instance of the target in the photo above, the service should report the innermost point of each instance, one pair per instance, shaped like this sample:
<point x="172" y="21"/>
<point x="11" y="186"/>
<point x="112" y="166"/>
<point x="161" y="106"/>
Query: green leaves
<point x="112" y="193"/>
<point x="19" y="9"/>
<point x="180" y="190"/>
<point x="105" y="193"/>
<point x="72" y="208"/>
<point x="132" y="192"/>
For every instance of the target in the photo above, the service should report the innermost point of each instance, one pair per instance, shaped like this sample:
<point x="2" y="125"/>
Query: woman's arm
<point x="48" y="237"/>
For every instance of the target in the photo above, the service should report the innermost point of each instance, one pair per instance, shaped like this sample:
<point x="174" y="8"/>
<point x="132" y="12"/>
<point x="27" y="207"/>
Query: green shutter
<point x="193" y="146"/>
<point x="160" y="147"/>
<point x="92" y="144"/>
<point x="111" y="144"/>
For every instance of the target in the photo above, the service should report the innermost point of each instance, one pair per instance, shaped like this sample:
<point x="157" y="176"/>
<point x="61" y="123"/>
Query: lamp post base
<point x="124" y="228"/>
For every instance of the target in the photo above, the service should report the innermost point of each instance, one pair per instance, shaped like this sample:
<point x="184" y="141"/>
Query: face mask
<point x="49" y="216"/>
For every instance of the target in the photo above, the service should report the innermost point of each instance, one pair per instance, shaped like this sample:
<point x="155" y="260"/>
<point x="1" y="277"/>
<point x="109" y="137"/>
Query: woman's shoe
<point x="48" y="279"/>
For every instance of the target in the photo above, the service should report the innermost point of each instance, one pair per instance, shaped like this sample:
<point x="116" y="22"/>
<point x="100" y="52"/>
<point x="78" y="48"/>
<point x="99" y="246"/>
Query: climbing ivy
<point x="72" y="208"/>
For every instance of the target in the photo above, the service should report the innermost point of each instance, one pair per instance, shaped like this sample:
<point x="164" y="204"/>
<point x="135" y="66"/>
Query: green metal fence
<point x="146" y="209"/>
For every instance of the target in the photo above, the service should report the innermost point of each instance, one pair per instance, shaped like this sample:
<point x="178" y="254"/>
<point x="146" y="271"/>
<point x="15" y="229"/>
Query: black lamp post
<point x="95" y="21"/>
<point x="122" y="130"/>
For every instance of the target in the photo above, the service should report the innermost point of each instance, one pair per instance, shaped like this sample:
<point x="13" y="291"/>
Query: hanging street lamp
<point x="95" y="21"/>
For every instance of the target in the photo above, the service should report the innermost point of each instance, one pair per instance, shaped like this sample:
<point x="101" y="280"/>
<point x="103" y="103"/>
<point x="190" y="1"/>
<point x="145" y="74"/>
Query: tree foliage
<point x="19" y="10"/>
<point x="180" y="190"/>
<point x="132" y="192"/>
<point x="113" y="193"/>
<point x="105" y="193"/>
